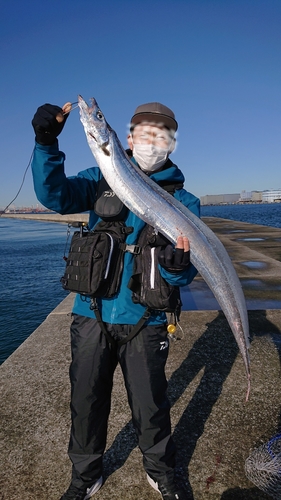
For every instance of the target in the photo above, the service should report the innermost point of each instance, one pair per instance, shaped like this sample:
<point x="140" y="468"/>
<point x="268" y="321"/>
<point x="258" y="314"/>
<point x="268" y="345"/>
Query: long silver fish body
<point x="170" y="217"/>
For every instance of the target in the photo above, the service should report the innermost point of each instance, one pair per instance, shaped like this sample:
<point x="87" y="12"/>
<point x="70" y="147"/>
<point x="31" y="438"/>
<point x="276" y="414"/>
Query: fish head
<point x="95" y="125"/>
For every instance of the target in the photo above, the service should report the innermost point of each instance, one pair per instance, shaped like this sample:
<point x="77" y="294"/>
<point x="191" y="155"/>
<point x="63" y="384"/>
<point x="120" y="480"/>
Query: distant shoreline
<point x="240" y="203"/>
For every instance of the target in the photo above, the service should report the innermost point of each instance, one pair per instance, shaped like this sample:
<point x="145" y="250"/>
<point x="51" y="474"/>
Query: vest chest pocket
<point x="95" y="261"/>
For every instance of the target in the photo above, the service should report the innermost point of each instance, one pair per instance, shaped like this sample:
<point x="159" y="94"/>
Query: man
<point x="94" y="354"/>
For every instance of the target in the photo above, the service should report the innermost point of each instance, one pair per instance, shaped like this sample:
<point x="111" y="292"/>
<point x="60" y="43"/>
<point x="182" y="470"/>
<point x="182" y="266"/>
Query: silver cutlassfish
<point x="162" y="211"/>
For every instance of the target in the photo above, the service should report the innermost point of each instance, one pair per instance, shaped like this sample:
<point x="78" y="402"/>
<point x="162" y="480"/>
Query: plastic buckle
<point x="135" y="249"/>
<point x="94" y="305"/>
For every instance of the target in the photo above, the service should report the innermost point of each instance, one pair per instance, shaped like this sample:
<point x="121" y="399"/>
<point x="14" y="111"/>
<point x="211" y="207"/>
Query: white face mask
<point x="150" y="157"/>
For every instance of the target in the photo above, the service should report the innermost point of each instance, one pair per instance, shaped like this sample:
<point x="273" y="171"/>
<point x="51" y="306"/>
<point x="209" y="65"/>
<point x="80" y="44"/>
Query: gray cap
<point x="156" y="113"/>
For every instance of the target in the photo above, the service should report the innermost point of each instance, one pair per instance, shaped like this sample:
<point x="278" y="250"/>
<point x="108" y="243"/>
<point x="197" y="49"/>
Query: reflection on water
<point x="250" y="239"/>
<point x="254" y="283"/>
<point x="254" y="264"/>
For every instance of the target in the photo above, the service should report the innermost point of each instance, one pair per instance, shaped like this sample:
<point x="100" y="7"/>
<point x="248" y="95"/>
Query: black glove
<point x="174" y="260"/>
<point x="46" y="126"/>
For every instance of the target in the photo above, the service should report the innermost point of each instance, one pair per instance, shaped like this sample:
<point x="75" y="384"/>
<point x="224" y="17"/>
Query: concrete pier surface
<point x="215" y="430"/>
<point x="255" y="251"/>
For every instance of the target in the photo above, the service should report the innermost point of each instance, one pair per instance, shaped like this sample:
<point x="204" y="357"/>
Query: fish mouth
<point x="102" y="146"/>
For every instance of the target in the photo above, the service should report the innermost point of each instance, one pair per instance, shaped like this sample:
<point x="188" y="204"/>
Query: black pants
<point x="142" y="361"/>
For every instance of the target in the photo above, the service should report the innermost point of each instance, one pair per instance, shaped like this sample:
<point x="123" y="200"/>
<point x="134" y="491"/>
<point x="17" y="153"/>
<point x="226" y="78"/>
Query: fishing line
<point x="29" y="163"/>
<point x="23" y="179"/>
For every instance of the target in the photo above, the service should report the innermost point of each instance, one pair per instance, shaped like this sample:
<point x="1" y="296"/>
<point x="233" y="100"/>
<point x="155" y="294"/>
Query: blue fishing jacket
<point x="77" y="194"/>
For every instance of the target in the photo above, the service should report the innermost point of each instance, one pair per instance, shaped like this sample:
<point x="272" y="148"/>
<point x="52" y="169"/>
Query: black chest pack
<point x="95" y="261"/>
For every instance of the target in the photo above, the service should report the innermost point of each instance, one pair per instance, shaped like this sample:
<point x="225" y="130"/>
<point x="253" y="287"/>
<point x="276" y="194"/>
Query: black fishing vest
<point x="147" y="285"/>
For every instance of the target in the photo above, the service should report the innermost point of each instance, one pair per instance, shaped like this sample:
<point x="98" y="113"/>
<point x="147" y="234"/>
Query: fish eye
<point x="99" y="115"/>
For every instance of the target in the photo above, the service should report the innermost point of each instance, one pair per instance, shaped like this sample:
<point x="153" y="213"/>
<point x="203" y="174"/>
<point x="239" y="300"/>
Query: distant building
<point x="245" y="196"/>
<point x="257" y="196"/>
<point x="271" y="195"/>
<point x="219" y="199"/>
<point x="268" y="196"/>
<point x="250" y="196"/>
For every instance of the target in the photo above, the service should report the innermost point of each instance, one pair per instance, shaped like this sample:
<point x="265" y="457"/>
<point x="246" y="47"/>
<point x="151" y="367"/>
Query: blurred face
<point x="151" y="145"/>
<point x="152" y="134"/>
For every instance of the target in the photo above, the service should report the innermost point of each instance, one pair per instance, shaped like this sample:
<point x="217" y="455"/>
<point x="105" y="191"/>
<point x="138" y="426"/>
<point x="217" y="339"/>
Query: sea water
<point x="265" y="214"/>
<point x="31" y="264"/>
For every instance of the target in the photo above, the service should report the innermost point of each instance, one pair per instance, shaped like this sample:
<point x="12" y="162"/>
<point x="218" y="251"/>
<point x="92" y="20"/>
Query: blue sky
<point x="216" y="63"/>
